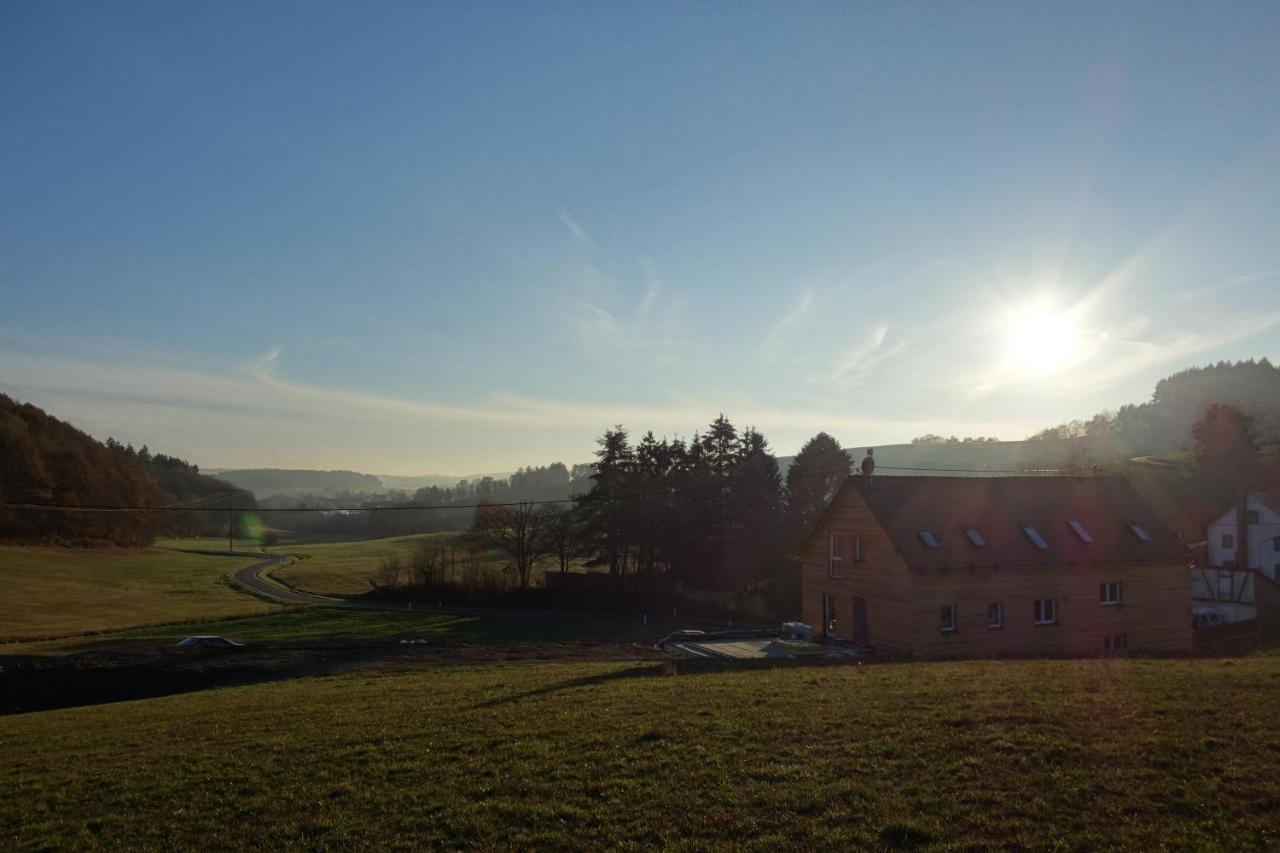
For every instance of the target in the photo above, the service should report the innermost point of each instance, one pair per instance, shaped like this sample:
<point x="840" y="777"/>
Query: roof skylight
<point x="1081" y="532"/>
<point x="1140" y="532"/>
<point x="1036" y="538"/>
<point x="929" y="540"/>
<point x="976" y="538"/>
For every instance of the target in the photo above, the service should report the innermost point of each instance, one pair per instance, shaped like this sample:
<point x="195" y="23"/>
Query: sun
<point x="1040" y="337"/>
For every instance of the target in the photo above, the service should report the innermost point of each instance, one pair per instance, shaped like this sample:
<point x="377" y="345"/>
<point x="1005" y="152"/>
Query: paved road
<point x="250" y="578"/>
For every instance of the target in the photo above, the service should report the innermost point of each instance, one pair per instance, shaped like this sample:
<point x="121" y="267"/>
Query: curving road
<point x="250" y="579"/>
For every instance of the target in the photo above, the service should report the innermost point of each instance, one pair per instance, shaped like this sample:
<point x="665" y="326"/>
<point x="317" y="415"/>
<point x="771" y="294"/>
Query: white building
<point x="1224" y="590"/>
<point x="1262" y="550"/>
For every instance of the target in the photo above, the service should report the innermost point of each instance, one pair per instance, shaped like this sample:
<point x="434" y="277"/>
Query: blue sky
<point x="451" y="237"/>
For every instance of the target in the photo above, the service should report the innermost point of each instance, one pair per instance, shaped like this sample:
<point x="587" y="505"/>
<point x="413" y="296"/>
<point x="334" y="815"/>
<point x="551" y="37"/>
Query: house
<point x="1260" y="535"/>
<point x="989" y="566"/>
<point x="1225" y="585"/>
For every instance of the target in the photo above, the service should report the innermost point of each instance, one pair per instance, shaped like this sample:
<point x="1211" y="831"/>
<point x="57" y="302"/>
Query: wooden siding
<point x="880" y="576"/>
<point x="904" y="606"/>
<point x="1154" y="613"/>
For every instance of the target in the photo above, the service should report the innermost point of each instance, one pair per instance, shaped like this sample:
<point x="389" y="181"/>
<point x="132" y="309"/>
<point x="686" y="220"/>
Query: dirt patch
<point x="140" y="671"/>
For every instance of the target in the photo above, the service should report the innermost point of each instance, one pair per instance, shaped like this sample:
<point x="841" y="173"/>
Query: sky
<point x="454" y="237"/>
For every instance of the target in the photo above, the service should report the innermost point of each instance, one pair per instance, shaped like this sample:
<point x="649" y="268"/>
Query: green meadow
<point x="57" y="592"/>
<point x="1075" y="755"/>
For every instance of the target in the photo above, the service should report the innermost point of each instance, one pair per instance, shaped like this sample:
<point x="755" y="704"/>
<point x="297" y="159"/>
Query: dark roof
<point x="1000" y="507"/>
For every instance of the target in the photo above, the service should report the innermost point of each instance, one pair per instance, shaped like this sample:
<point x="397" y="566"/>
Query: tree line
<point x="709" y="512"/>
<point x="1166" y="422"/>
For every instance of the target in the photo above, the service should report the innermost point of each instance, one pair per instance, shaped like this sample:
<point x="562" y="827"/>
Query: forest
<point x="48" y="462"/>
<point x="1164" y="424"/>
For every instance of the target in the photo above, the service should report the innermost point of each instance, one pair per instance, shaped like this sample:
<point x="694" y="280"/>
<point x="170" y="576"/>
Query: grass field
<point x="53" y="592"/>
<point x="1080" y="755"/>
<point x="206" y="543"/>
<point x="344" y="568"/>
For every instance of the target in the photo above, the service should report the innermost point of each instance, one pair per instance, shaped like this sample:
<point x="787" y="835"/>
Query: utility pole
<point x="231" y="522"/>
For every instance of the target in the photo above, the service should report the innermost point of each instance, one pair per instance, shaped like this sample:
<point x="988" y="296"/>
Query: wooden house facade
<point x="995" y="566"/>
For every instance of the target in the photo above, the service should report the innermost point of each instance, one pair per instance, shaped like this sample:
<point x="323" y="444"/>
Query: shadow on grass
<point x="679" y="666"/>
<point x="650" y="671"/>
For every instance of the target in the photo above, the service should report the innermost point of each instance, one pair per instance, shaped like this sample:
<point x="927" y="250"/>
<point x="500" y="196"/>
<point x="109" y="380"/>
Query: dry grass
<point x="1078" y="755"/>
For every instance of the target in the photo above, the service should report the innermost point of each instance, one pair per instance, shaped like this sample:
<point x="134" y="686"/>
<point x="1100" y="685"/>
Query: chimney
<point x="869" y="464"/>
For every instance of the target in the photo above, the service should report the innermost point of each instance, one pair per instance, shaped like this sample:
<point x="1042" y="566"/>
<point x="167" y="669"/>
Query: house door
<point x="860" y="621"/>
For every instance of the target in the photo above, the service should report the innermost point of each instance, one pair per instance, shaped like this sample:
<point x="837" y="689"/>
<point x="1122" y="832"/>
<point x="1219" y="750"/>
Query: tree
<point x="607" y="521"/>
<point x="517" y="532"/>
<point x="562" y="533"/>
<point x="754" y="547"/>
<point x="815" y="474"/>
<point x="1226" y="446"/>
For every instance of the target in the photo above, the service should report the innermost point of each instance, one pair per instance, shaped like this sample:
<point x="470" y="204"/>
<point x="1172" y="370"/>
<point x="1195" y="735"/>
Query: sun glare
<point x="1041" y="337"/>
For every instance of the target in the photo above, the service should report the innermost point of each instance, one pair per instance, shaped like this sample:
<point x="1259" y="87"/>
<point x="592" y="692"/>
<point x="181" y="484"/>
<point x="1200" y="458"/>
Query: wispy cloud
<point x="651" y="327"/>
<point x="855" y="363"/>
<point x="775" y="337"/>
<point x="1208" y="290"/>
<point x="255" y="415"/>
<point x="577" y="231"/>
<point x="605" y="314"/>
<point x="1126" y="357"/>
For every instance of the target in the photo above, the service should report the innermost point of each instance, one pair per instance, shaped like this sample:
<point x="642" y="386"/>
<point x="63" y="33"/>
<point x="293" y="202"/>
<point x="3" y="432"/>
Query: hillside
<point x="964" y="456"/>
<point x="44" y="460"/>
<point x="268" y="482"/>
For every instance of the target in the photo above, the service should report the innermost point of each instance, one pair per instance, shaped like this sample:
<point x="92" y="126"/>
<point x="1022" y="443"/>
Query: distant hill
<point x="959" y="458"/>
<point x="47" y="461"/>
<point x="426" y="481"/>
<point x="268" y="482"/>
<point x="276" y="482"/>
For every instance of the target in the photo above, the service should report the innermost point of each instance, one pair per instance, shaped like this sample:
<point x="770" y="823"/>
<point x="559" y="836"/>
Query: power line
<point x="666" y="492"/>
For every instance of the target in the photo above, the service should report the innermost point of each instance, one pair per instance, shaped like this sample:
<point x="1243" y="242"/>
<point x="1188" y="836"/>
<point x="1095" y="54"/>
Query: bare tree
<point x="516" y="532"/>
<point x="389" y="573"/>
<point x="563" y="534"/>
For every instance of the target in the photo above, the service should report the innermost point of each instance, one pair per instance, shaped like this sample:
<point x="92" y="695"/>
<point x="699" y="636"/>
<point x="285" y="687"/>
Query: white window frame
<point x="1105" y="596"/>
<point x="1275" y="544"/>
<point x="948" y="625"/>
<point x="857" y="548"/>
<point x="833" y="556"/>
<point x="1229" y="541"/>
<point x="996" y="608"/>
<point x="1252" y="516"/>
<point x="1041" y="610"/>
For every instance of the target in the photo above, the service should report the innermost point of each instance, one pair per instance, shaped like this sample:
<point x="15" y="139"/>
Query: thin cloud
<point x="858" y="361"/>
<point x="778" y="332"/>
<point x="577" y="231"/>
<point x="255" y="415"/>
<point x="1199" y="293"/>
<point x="794" y="315"/>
